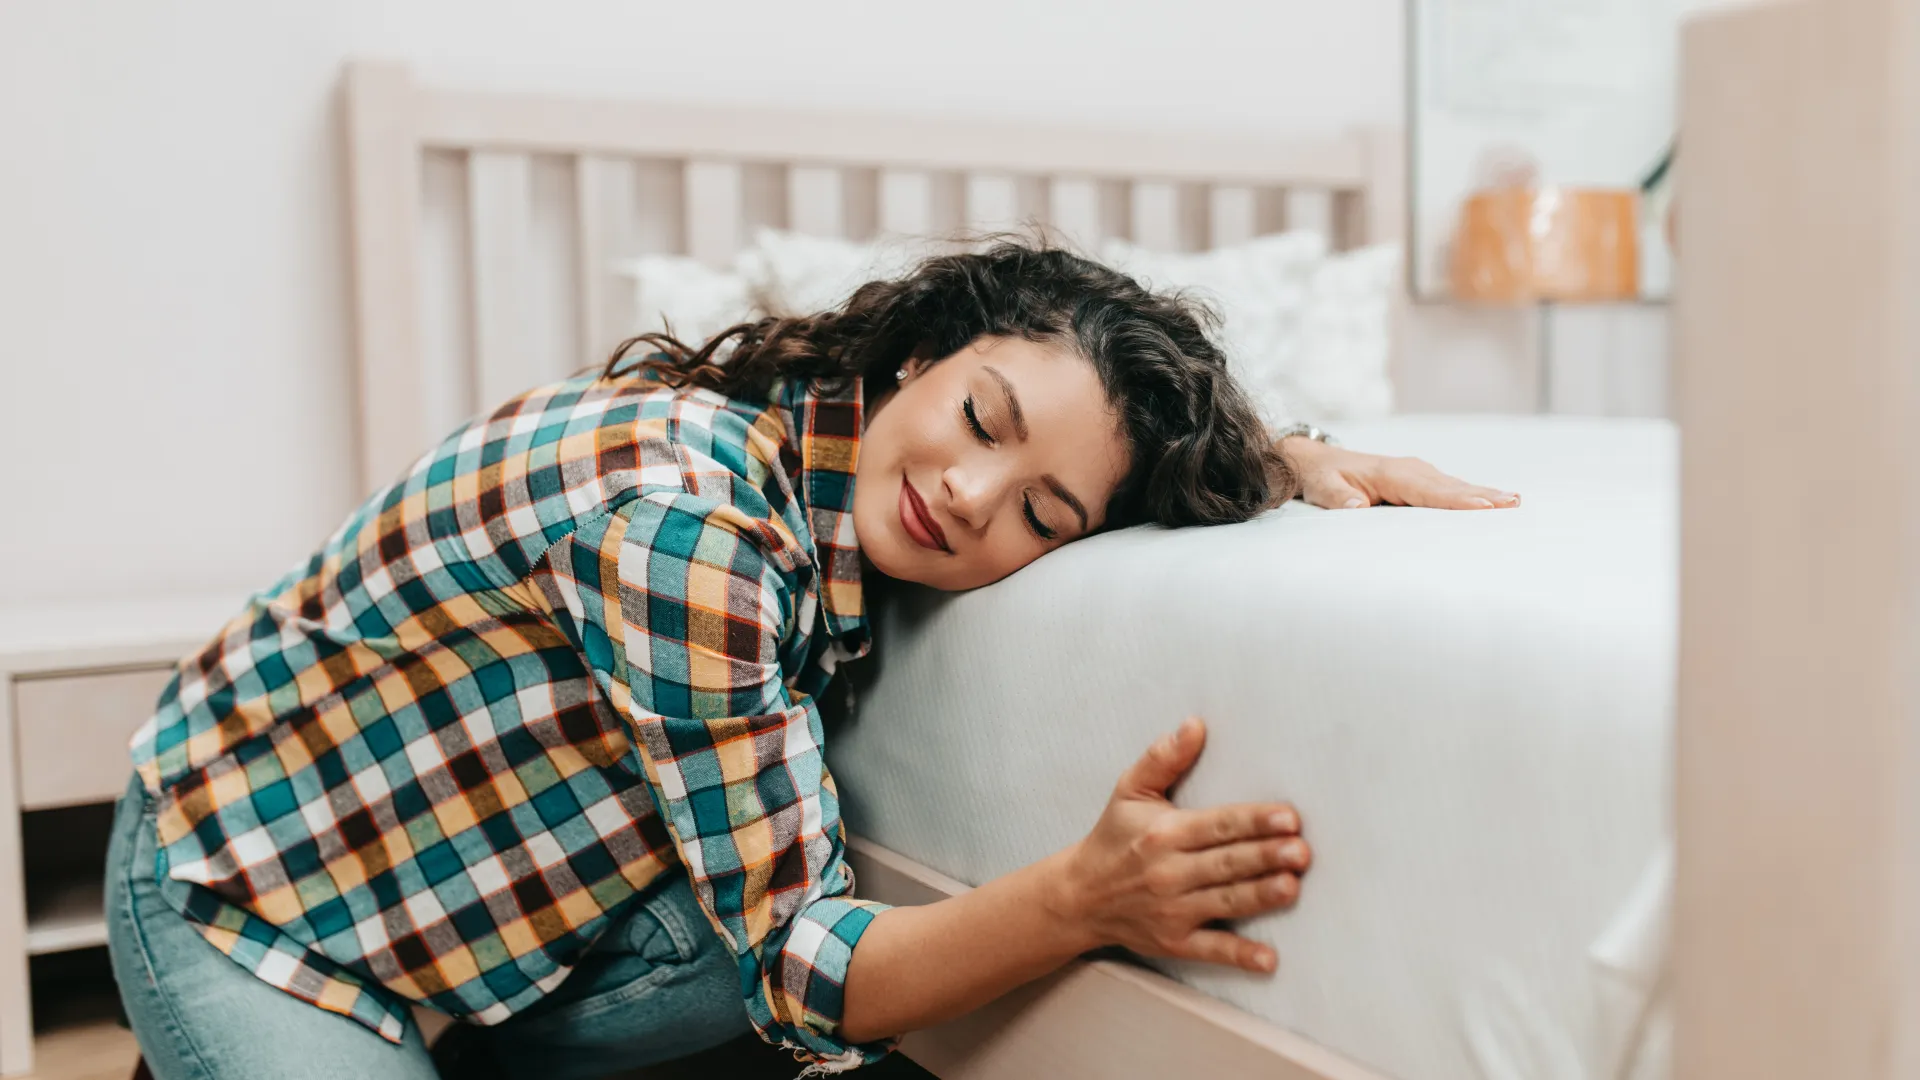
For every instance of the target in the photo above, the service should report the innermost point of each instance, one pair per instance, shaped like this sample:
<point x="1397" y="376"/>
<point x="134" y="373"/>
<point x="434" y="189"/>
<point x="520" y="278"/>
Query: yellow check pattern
<point x="575" y="647"/>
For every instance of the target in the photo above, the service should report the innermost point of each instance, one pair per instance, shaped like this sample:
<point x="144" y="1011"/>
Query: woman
<point x="532" y="739"/>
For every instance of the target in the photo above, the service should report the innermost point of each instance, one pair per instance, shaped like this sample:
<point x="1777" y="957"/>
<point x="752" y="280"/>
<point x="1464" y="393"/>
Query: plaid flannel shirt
<point x="577" y="644"/>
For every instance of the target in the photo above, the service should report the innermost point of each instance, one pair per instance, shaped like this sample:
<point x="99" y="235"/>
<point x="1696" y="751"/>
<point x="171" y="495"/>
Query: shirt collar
<point x="825" y="426"/>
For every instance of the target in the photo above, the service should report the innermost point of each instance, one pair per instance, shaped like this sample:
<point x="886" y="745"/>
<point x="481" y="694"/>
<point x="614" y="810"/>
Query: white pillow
<point x="1306" y="333"/>
<point x="685" y="296"/>
<point x="1346" y="337"/>
<point x="795" y="274"/>
<point x="783" y="273"/>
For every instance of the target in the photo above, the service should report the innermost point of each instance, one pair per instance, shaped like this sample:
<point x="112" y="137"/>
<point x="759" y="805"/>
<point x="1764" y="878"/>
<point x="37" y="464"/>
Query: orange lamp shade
<point x="1524" y="245"/>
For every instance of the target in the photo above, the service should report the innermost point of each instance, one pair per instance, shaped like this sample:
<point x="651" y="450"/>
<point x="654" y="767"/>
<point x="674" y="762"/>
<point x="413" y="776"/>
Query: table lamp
<point x="1547" y="245"/>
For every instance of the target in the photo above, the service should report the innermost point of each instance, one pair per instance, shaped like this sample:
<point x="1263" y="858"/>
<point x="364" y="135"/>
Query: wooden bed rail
<point x="1093" y="1020"/>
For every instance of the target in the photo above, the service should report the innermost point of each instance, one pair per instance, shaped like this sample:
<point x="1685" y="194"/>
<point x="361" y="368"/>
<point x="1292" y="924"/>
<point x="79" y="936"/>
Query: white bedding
<point x="1472" y="710"/>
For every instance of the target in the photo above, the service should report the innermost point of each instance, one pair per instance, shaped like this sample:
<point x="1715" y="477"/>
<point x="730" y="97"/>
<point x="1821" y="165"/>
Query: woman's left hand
<point x="1338" y="478"/>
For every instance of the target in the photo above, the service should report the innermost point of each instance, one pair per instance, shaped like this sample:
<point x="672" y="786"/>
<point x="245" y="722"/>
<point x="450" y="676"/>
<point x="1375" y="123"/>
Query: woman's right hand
<point x="1155" y="879"/>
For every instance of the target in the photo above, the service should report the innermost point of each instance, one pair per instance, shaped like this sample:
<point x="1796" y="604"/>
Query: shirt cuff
<point x="813" y="978"/>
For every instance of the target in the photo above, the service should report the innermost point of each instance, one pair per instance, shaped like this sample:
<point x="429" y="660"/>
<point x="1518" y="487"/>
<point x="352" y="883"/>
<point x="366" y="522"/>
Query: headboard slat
<point x="1230" y="215"/>
<point x="714" y="203"/>
<point x="1309" y="209"/>
<point x="906" y="202"/>
<point x="557" y="343"/>
<point x="1116" y="210"/>
<point x="1156" y="215"/>
<point x="1033" y="199"/>
<point x="1270" y="210"/>
<point x="817" y="206"/>
<point x="444" y="292"/>
<point x="993" y="202"/>
<point x="658" y="200"/>
<point x="605" y="191"/>
<point x="765" y="196"/>
<point x="384" y="162"/>
<point x="1074" y="210"/>
<point x="499" y="208"/>
<point x="946" y="201"/>
<point x="1193" y="216"/>
<point x="1349" y="220"/>
<point x="860" y="203"/>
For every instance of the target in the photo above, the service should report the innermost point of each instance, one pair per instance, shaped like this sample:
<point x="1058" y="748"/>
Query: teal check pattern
<point x="576" y="647"/>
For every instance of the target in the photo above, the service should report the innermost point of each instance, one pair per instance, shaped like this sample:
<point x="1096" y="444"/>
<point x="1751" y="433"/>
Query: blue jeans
<point x="659" y="985"/>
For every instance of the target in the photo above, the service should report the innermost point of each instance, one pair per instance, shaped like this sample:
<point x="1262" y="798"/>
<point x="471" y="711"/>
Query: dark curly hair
<point x="1200" y="455"/>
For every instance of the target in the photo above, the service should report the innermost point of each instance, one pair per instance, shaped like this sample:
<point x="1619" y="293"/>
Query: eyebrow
<point x="1060" y="491"/>
<point x="1013" y="401"/>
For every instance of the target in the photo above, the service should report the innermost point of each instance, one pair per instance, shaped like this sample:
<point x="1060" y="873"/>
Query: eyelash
<point x="973" y="421"/>
<point x="1033" y="521"/>
<point x="1026" y="505"/>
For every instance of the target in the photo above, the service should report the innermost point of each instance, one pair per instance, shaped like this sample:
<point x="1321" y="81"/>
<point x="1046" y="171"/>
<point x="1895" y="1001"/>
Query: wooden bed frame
<point x="472" y="209"/>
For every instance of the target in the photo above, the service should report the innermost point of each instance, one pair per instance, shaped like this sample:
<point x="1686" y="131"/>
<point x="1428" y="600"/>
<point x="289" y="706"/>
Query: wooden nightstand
<point x="75" y="681"/>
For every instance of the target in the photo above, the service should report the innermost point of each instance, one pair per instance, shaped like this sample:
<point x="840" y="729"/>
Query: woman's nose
<point x="970" y="496"/>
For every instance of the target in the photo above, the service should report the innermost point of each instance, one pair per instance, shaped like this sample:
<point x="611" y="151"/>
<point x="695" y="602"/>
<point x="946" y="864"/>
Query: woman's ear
<point x="913" y="368"/>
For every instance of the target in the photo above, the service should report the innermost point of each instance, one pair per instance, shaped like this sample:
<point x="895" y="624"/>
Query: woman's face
<point x="978" y="464"/>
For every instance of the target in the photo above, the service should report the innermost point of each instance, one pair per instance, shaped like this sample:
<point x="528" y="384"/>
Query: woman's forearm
<point x="918" y="966"/>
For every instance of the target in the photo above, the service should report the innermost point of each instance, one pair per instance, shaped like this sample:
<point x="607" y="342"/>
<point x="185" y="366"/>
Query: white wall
<point x="173" y="285"/>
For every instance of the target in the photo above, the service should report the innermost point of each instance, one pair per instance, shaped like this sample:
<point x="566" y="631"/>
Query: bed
<point x="1505" y="923"/>
<point x="1472" y="710"/>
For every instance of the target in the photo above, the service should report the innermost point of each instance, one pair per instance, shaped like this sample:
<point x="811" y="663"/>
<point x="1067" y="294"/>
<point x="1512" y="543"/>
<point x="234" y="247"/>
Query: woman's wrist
<point x="1297" y="454"/>
<point x="1299" y="447"/>
<point x="919" y="965"/>
<point x="1066" y="900"/>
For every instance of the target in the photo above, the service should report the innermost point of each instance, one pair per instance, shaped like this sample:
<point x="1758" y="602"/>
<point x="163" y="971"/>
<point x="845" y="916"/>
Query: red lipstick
<point x="918" y="521"/>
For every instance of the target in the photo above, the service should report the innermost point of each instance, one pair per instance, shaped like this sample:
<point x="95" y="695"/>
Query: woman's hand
<point x="1341" y="479"/>
<point x="1155" y="879"/>
<point x="1149" y="877"/>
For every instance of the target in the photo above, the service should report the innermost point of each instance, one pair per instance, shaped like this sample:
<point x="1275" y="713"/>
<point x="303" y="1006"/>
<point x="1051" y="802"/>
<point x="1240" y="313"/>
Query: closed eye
<point x="1033" y="521"/>
<point x="973" y="421"/>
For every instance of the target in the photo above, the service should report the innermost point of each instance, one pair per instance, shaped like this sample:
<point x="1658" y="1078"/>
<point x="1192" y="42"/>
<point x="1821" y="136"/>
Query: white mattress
<point x="1472" y="710"/>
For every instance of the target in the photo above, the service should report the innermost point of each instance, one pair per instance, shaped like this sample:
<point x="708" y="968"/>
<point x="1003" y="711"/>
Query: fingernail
<point x="1280" y="821"/>
<point x="1482" y="504"/>
<point x="1355" y="504"/>
<point x="1512" y="499"/>
<point x="1267" y="960"/>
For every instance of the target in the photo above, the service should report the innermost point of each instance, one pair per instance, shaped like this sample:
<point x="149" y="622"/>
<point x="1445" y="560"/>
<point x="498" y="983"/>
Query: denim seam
<point x="677" y="932"/>
<point x="178" y="1030"/>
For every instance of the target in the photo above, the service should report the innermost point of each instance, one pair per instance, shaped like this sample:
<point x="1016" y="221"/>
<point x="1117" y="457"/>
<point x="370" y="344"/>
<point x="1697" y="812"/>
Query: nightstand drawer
<point x="73" y="732"/>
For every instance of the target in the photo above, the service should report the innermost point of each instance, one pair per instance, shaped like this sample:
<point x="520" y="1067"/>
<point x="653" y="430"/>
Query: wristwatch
<point x="1305" y="431"/>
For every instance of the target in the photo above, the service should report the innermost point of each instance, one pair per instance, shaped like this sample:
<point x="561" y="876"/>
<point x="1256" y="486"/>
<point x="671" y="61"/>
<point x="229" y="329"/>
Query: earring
<point x="900" y="376"/>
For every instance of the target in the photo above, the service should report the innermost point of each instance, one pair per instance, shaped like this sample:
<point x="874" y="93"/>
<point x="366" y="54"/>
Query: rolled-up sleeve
<point x="695" y="604"/>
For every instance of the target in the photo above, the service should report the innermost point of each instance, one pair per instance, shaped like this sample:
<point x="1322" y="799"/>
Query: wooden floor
<point x="78" y="1034"/>
<point x="100" y="1050"/>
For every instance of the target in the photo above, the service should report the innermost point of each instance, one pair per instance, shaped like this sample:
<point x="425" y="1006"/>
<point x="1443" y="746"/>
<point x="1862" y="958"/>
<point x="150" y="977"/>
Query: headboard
<point x="486" y="225"/>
